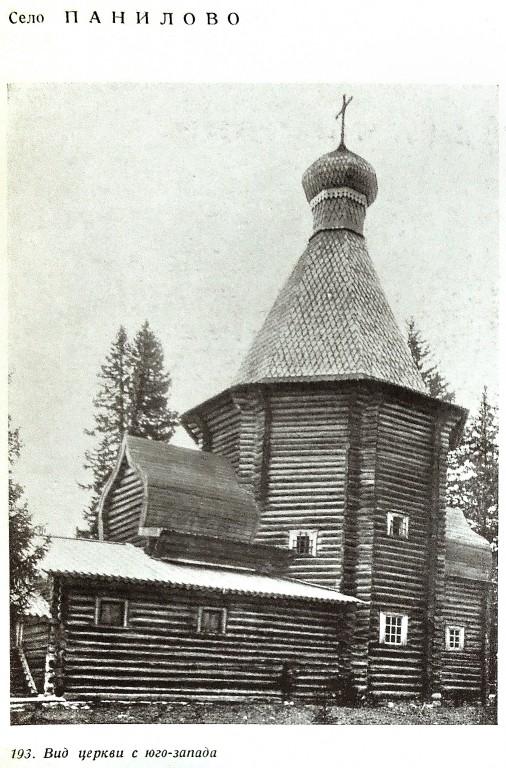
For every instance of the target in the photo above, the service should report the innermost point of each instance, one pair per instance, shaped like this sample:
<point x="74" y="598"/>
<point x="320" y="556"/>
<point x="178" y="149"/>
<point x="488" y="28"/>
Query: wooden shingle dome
<point x="341" y="168"/>
<point x="331" y="320"/>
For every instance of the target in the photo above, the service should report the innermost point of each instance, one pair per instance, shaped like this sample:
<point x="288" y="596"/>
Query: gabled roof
<point x="127" y="563"/>
<point x="331" y="321"/>
<point x="187" y="490"/>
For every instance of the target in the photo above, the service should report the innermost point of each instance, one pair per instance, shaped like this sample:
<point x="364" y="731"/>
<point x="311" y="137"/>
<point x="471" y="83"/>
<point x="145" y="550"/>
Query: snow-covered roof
<point x="125" y="562"/>
<point x="38" y="607"/>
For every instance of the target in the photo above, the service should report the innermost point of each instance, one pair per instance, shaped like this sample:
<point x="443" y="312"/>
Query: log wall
<point x="223" y="427"/>
<point x="160" y="653"/>
<point x="336" y="459"/>
<point x="403" y="484"/>
<point x="305" y="478"/>
<point x="35" y="644"/>
<point x="462" y="670"/>
<point x="359" y="528"/>
<point x="186" y="547"/>
<point x="124" y="506"/>
<point x="436" y="558"/>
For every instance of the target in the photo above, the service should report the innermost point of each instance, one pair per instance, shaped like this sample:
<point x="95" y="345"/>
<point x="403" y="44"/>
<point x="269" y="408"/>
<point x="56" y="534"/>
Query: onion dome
<point x="331" y="320"/>
<point x="339" y="187"/>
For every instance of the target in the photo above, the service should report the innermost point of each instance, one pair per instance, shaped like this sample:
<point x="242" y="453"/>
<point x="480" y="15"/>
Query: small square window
<point x="397" y="525"/>
<point x="111" y="612"/>
<point x="304" y="542"/>
<point x="212" y="621"/>
<point x="454" y="638"/>
<point x="393" y="628"/>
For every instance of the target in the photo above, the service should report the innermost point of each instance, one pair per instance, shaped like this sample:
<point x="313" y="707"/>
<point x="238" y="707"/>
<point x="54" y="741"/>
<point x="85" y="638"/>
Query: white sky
<point x="183" y="204"/>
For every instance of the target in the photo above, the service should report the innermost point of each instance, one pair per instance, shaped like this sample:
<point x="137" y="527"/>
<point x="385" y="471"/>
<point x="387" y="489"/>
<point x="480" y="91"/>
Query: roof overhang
<point x="457" y="412"/>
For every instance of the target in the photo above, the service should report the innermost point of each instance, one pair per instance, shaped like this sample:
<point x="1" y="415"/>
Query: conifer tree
<point x="132" y="399"/>
<point x="151" y="416"/>
<point x="27" y="542"/>
<point x="112" y="419"/>
<point x="473" y="478"/>
<point x="420" y="351"/>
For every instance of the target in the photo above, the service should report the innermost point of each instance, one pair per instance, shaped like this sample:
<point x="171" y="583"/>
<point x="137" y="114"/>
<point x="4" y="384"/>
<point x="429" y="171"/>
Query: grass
<point x="387" y="713"/>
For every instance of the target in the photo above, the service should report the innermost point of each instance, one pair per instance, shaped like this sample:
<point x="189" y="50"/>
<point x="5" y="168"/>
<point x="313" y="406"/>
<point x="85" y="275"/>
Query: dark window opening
<point x="112" y="613"/>
<point x="397" y="525"/>
<point x="303" y="544"/>
<point x="212" y="621"/>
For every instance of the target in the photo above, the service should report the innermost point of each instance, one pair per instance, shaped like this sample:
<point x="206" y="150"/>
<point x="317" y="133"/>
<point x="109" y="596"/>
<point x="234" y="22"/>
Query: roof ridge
<point x="93" y="541"/>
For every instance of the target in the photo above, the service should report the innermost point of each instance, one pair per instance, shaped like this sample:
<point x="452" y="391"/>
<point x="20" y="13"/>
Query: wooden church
<point x="306" y="549"/>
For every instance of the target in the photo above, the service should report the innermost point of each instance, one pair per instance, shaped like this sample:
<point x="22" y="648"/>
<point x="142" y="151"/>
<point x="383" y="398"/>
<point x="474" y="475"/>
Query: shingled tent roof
<point x="331" y="321"/>
<point x="187" y="490"/>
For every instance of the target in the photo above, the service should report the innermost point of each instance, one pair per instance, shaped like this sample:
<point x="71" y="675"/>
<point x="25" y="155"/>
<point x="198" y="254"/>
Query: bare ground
<point x="387" y="713"/>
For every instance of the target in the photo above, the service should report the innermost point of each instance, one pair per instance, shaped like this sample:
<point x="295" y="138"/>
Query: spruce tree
<point x="27" y="542"/>
<point x="112" y="419"/>
<point x="420" y="351"/>
<point x="473" y="481"/>
<point x="132" y="398"/>
<point x="151" y="416"/>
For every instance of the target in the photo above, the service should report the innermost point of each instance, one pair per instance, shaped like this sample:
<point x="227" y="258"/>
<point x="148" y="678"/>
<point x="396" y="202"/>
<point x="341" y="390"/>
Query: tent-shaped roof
<point x="125" y="562"/>
<point x="331" y="321"/>
<point x="187" y="490"/>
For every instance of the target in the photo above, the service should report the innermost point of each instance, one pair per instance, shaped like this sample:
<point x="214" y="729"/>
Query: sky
<point x="182" y="204"/>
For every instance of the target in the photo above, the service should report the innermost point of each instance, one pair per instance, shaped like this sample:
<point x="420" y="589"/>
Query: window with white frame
<point x="454" y="638"/>
<point x="397" y="525"/>
<point x="304" y="542"/>
<point x="393" y="628"/>
<point x="111" y="612"/>
<point x="212" y="621"/>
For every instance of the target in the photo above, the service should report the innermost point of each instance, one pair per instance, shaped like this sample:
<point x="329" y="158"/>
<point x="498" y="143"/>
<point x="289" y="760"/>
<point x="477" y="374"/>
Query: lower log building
<point x="305" y="549"/>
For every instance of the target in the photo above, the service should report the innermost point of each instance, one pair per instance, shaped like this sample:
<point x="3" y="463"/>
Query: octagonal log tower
<point x="329" y="424"/>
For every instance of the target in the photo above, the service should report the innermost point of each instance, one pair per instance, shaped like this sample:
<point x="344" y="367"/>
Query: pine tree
<point x="474" y="472"/>
<point x="132" y="398"/>
<point x="26" y="547"/>
<point x="422" y="356"/>
<point x="112" y="419"/>
<point x="151" y="416"/>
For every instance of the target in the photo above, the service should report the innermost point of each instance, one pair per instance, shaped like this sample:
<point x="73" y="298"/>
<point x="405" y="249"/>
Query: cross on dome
<point x="341" y="114"/>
